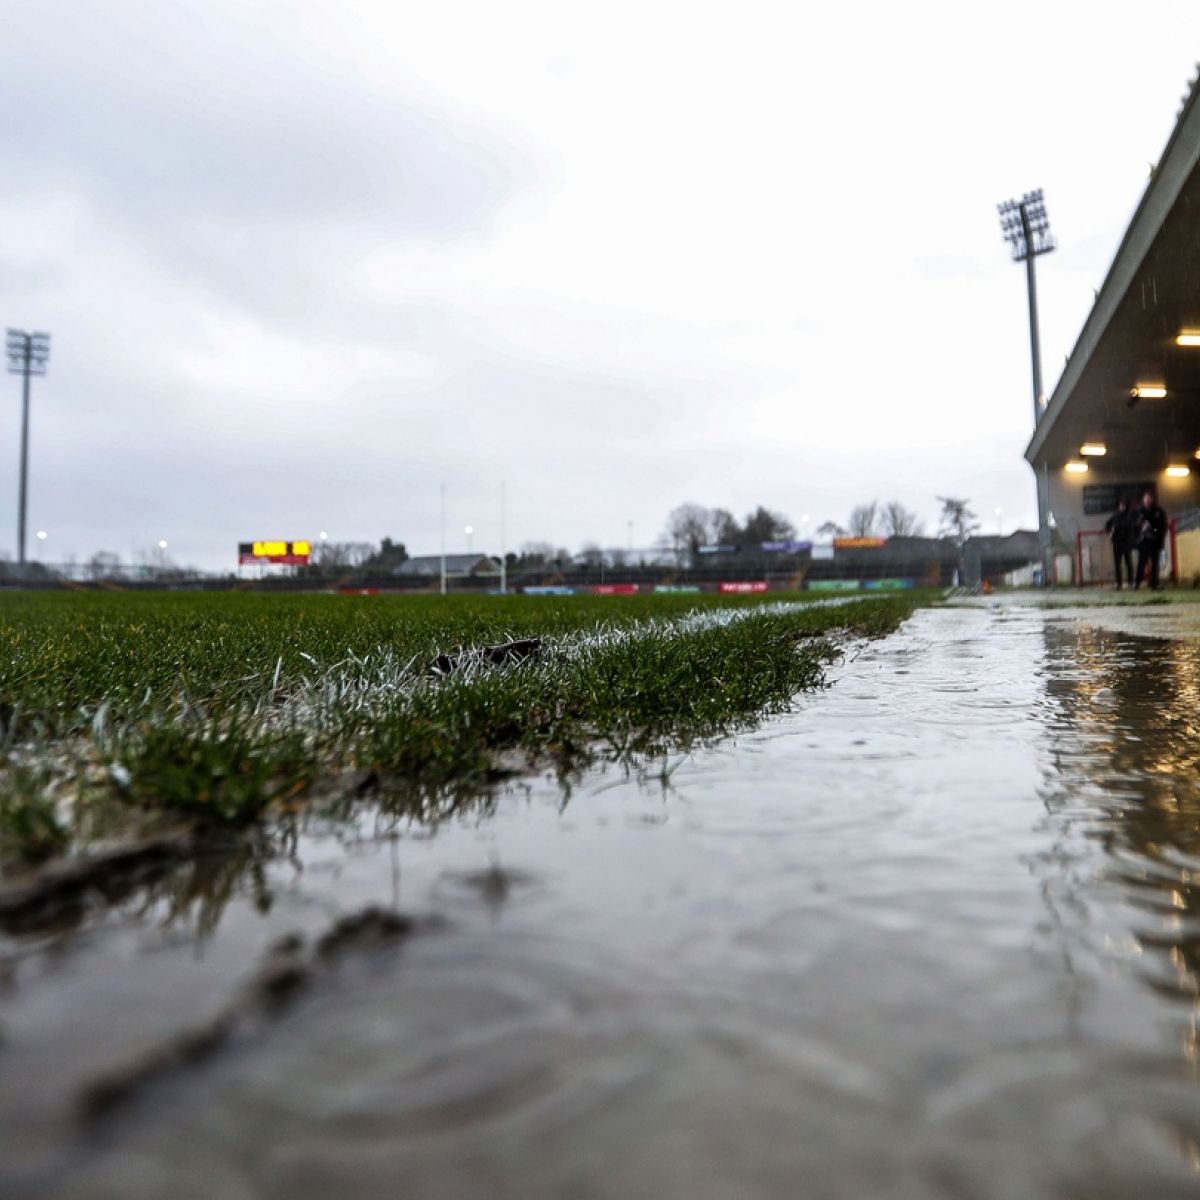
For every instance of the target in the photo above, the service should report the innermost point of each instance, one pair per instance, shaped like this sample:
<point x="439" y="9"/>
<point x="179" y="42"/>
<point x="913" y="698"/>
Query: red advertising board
<point x="743" y="585"/>
<point x="615" y="589"/>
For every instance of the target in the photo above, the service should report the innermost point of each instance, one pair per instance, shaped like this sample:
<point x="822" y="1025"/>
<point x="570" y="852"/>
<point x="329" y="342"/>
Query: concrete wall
<point x="1188" y="547"/>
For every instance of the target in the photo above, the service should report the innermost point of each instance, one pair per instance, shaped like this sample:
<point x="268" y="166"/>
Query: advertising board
<point x="296" y="554"/>
<point x="1102" y="498"/>
<point x="741" y="586"/>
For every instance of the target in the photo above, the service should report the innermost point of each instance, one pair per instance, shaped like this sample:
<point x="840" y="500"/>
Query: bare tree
<point x="899" y="521"/>
<point x="688" y="526"/>
<point x="692" y="525"/>
<point x="831" y="529"/>
<point x="103" y="564"/>
<point x="958" y="522"/>
<point x="338" y="555"/>
<point x="723" y="527"/>
<point x="534" y="553"/>
<point x="592" y="554"/>
<point x="863" y="519"/>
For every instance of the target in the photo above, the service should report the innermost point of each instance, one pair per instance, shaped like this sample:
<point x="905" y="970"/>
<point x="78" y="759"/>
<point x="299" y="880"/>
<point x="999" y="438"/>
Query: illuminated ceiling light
<point x="1179" y="472"/>
<point x="1093" y="449"/>
<point x="1188" y="337"/>
<point x="1148" y="391"/>
<point x="1077" y="468"/>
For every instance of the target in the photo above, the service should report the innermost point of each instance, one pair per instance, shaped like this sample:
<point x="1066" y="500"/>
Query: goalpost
<point x="1094" y="563"/>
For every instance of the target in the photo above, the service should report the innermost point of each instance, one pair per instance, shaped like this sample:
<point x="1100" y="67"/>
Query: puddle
<point x="936" y="933"/>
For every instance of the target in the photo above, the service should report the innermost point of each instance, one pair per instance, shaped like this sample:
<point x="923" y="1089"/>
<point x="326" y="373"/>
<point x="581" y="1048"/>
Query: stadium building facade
<point x="1125" y="415"/>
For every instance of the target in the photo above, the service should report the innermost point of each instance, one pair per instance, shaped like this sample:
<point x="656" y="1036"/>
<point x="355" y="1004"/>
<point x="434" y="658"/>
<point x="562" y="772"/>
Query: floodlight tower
<point x="1026" y="229"/>
<point x="28" y="354"/>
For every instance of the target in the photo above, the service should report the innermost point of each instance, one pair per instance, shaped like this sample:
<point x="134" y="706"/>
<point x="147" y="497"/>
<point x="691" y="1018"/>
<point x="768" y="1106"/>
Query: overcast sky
<point x="304" y="262"/>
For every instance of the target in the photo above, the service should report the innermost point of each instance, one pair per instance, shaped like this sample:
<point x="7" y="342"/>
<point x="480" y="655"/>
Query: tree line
<point x="688" y="527"/>
<point x="693" y="525"/>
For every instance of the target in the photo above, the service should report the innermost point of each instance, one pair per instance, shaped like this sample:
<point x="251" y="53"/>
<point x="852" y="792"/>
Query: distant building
<point x="458" y="566"/>
<point x="995" y="557"/>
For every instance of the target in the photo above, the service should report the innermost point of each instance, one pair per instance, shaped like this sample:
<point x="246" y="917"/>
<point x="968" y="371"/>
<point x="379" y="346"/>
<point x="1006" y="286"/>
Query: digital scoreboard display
<point x="294" y="554"/>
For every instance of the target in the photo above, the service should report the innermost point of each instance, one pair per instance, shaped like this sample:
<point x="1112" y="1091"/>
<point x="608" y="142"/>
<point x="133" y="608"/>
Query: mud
<point x="286" y="974"/>
<point x="58" y="890"/>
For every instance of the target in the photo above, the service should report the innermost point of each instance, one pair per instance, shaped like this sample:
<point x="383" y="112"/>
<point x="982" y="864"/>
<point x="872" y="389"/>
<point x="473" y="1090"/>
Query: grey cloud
<point x="251" y="172"/>
<point x="226" y="132"/>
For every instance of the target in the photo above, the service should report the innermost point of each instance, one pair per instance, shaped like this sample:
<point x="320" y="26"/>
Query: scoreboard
<point x="295" y="554"/>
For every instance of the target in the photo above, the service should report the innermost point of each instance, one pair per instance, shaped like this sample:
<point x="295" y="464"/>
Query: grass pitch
<point x="117" y="709"/>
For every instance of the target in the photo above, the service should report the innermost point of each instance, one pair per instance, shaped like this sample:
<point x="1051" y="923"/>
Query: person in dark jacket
<point x="1122" y="528"/>
<point x="1151" y="537"/>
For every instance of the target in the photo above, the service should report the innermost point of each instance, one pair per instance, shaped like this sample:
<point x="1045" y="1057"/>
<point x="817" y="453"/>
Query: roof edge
<point x="1175" y="164"/>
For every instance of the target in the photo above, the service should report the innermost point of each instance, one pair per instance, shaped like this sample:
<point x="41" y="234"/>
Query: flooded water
<point x="934" y="934"/>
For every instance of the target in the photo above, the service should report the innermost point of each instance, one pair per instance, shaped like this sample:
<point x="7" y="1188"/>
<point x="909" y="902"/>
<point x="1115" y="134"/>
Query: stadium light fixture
<point x="1026" y="228"/>
<point x="1147" y="391"/>
<point x="162" y="543"/>
<point x="42" y="535"/>
<point x="28" y="353"/>
<point x="1076" y="468"/>
<point x="1178" y="471"/>
<point x="1188" y="337"/>
<point x="1093" y="449"/>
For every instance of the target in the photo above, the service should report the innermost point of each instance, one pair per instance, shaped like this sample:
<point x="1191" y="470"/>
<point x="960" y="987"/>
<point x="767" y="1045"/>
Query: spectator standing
<point x="1151" y="537"/>
<point x="1122" y="528"/>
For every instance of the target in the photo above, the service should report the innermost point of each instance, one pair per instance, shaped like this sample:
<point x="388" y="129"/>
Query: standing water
<point x="935" y="933"/>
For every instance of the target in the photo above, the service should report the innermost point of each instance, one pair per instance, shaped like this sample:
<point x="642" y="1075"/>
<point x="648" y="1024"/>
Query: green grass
<point x="221" y="708"/>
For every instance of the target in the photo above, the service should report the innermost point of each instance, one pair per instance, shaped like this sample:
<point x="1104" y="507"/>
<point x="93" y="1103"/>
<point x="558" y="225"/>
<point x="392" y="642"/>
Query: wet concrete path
<point x="936" y="933"/>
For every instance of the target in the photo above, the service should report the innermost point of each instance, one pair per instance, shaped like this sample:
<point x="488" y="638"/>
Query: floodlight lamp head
<point x="27" y="352"/>
<point x="16" y="346"/>
<point x="1026" y="226"/>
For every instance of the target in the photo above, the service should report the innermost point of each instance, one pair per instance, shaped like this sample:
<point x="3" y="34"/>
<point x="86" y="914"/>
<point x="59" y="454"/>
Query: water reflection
<point x="191" y="895"/>
<point x="1125" y="747"/>
<point x="1126" y="750"/>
